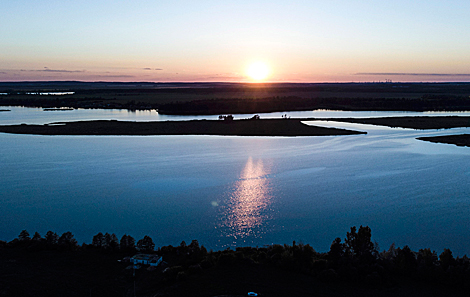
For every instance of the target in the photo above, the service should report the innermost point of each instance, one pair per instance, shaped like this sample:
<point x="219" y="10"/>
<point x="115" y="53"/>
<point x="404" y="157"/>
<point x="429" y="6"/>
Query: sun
<point x="258" y="71"/>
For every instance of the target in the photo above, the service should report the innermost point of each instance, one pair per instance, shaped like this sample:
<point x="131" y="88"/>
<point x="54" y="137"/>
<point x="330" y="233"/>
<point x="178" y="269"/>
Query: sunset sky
<point x="298" y="41"/>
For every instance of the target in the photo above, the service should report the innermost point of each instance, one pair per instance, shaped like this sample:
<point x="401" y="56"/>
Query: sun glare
<point x="258" y="71"/>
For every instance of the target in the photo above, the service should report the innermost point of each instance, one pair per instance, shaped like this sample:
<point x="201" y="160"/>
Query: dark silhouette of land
<point x="248" y="127"/>
<point x="235" y="98"/>
<point x="459" y="140"/>
<point x="57" y="266"/>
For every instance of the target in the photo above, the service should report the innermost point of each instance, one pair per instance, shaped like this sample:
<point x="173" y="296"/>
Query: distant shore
<point x="260" y="127"/>
<point x="238" y="98"/>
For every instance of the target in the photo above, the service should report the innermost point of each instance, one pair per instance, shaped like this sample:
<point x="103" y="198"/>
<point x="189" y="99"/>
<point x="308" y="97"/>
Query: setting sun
<point x="258" y="71"/>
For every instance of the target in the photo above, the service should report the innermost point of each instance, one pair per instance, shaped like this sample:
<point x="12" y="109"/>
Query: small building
<point x="146" y="259"/>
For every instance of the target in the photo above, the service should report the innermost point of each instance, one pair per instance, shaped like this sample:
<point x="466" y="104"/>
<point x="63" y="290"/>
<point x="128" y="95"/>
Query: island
<point x="245" y="127"/>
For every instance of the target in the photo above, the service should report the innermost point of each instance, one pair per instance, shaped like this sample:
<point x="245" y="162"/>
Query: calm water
<point x="231" y="191"/>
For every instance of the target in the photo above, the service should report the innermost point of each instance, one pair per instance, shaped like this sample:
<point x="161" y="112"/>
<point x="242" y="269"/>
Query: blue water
<point x="236" y="191"/>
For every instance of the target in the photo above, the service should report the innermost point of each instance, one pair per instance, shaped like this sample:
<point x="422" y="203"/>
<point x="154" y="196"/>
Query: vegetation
<point x="354" y="267"/>
<point x="226" y="98"/>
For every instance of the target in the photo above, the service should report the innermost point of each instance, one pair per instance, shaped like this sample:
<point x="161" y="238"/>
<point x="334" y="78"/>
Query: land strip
<point x="420" y="123"/>
<point x="249" y="127"/>
<point x="423" y="123"/>
<point x="459" y="140"/>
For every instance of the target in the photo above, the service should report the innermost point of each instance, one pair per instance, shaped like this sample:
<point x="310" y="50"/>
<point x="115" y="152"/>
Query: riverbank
<point x="419" y="123"/>
<point x="423" y="123"/>
<point x="259" y="127"/>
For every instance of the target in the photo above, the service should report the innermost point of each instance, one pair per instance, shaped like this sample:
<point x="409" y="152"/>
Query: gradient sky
<point x="300" y="41"/>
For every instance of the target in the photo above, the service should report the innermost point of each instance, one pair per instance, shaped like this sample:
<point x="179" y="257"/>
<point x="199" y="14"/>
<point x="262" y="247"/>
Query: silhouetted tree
<point x="37" y="236"/>
<point x="66" y="241"/>
<point x="446" y="259"/>
<point x="145" y="244"/>
<point x="127" y="243"/>
<point x="51" y="238"/>
<point x="98" y="240"/>
<point x="427" y="258"/>
<point x="336" y="252"/>
<point x="24" y="235"/>
<point x="110" y="241"/>
<point x="359" y="244"/>
<point x="194" y="245"/>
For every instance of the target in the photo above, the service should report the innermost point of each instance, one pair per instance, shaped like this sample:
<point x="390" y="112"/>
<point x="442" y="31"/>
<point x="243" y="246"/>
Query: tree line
<point x="356" y="258"/>
<point x="66" y="241"/>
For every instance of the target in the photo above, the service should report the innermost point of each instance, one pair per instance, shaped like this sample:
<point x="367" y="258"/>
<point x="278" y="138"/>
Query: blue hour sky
<point x="299" y="41"/>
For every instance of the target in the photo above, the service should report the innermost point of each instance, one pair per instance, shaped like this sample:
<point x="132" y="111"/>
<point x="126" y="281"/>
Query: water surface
<point x="232" y="191"/>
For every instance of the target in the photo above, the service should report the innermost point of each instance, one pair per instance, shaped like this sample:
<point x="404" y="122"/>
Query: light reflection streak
<point x="247" y="209"/>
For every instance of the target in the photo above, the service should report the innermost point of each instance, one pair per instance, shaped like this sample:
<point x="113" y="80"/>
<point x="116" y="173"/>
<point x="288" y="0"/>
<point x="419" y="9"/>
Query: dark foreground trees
<point x="354" y="259"/>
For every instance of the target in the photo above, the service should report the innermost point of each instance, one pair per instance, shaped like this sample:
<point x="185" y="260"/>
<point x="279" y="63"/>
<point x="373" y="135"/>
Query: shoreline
<point x="413" y="122"/>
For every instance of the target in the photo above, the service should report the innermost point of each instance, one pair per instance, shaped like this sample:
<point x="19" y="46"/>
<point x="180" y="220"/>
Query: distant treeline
<point x="279" y="104"/>
<point x="72" y="102"/>
<point x="253" y="105"/>
<point x="355" y="259"/>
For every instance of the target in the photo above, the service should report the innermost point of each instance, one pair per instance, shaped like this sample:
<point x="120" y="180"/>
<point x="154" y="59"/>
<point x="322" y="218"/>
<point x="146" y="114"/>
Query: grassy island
<point x="258" y="127"/>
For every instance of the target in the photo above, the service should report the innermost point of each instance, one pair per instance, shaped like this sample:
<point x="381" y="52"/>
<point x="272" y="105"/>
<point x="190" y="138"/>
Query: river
<point x="236" y="191"/>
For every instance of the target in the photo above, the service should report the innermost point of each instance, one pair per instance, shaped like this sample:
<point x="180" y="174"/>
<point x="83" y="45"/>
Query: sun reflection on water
<point x="246" y="210"/>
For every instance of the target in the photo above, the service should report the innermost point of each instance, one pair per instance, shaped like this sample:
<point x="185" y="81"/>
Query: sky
<point x="178" y="40"/>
